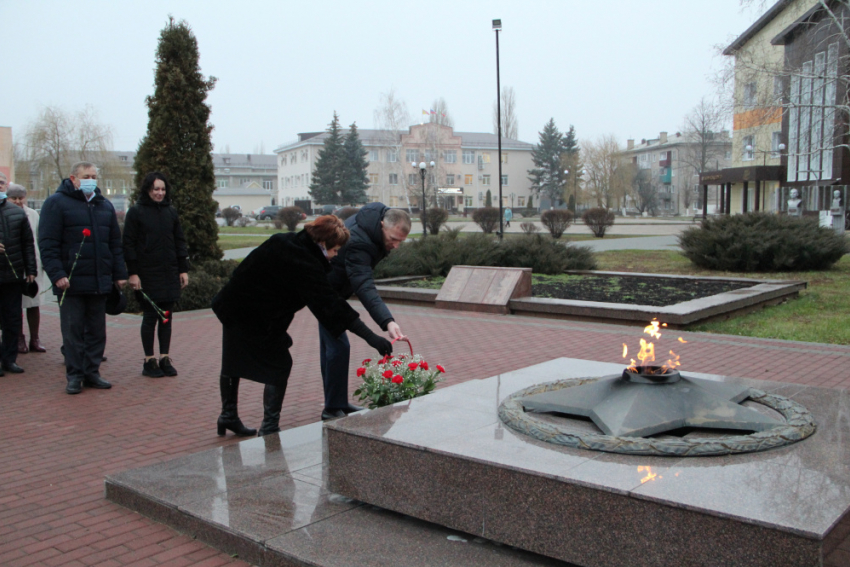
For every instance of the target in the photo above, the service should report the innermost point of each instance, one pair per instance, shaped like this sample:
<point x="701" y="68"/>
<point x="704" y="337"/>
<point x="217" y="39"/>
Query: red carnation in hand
<point x="168" y="314"/>
<point x="385" y="359"/>
<point x="440" y="368"/>
<point x="86" y="232"/>
<point x="165" y="320"/>
<point x="413" y="366"/>
<point x="423" y="365"/>
<point x="387" y="374"/>
<point x="366" y="361"/>
<point x="397" y="379"/>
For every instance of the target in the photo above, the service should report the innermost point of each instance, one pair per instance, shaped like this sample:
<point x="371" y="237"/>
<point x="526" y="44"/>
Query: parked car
<point x="267" y="213"/>
<point x="329" y="209"/>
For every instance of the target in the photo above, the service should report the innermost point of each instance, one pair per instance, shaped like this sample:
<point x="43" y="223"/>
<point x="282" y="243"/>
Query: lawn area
<point x="227" y="242"/>
<point x="267" y="228"/>
<point x="818" y="315"/>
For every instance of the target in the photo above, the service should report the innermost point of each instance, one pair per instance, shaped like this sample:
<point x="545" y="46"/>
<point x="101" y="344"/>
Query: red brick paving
<point x="57" y="448"/>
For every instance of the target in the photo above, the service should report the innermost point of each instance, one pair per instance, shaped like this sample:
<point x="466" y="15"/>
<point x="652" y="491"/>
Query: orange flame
<point x="647" y="352"/>
<point x="681" y="340"/>
<point x="652" y="329"/>
<point x="673" y="362"/>
<point x="647" y="349"/>
<point x="625" y="350"/>
<point x="649" y="474"/>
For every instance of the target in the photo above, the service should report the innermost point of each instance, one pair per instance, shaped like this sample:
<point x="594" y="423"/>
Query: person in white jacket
<point x="17" y="194"/>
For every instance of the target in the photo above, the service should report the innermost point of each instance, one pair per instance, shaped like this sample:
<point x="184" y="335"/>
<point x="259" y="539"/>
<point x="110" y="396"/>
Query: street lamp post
<point x="422" y="167"/>
<point x="497" y="27"/>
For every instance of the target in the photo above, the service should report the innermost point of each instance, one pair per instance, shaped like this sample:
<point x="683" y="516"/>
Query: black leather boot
<point x="229" y="419"/>
<point x="272" y="402"/>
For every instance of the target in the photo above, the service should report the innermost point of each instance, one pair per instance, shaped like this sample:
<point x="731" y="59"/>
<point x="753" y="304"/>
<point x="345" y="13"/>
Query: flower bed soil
<point x="654" y="291"/>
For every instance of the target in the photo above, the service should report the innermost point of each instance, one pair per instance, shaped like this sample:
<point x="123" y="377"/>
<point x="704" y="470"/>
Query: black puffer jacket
<point x="16" y="236"/>
<point x="155" y="248"/>
<point x="64" y="216"/>
<point x="353" y="265"/>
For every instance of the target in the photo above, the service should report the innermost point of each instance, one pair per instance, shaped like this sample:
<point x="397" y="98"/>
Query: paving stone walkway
<point x="56" y="448"/>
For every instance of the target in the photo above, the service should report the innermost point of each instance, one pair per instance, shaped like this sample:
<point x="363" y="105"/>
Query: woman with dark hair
<point x="282" y="276"/>
<point x="158" y="264"/>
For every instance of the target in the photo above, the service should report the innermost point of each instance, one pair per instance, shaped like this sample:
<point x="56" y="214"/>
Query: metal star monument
<point x="640" y="404"/>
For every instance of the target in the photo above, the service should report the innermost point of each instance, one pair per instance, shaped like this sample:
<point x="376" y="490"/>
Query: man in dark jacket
<point x="18" y="248"/>
<point x="80" y="244"/>
<point x="376" y="230"/>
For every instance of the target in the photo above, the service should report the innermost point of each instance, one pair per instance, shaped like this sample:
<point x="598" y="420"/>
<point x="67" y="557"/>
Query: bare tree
<point x="607" y="175"/>
<point x="57" y="139"/>
<point x="441" y="113"/>
<point x="509" y="118"/>
<point x="392" y="119"/>
<point x="706" y="143"/>
<point x="644" y="190"/>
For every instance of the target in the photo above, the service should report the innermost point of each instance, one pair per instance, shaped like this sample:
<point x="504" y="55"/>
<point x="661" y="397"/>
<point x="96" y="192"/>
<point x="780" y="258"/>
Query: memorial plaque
<point x="485" y="289"/>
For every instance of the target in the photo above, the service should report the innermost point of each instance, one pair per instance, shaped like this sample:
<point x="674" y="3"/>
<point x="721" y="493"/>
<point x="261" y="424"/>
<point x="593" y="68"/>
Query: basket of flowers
<point x="396" y="378"/>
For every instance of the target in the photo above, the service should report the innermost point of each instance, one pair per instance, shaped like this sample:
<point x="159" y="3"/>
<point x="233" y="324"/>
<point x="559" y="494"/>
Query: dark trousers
<point x="150" y="320"/>
<point x="83" y="322"/>
<point x="335" y="353"/>
<point x="10" y="321"/>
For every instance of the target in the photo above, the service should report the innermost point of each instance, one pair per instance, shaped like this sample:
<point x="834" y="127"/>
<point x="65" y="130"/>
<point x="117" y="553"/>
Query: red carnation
<point x="387" y="374"/>
<point x="397" y="379"/>
<point x="423" y="365"/>
<point x="361" y="371"/>
<point x="366" y="361"/>
<point x="413" y="366"/>
<point x="165" y="320"/>
<point x="385" y="359"/>
<point x="396" y="363"/>
<point x="440" y="368"/>
<point x="86" y="232"/>
<point x="168" y="314"/>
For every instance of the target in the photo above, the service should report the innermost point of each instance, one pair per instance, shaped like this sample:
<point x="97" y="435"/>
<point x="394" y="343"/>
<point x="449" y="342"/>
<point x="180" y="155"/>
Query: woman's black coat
<point x="16" y="236"/>
<point x="282" y="276"/>
<point x="155" y="248"/>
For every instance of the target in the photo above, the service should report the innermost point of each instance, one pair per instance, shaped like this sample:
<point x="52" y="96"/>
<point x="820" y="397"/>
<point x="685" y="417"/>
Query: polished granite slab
<point x="447" y="459"/>
<point x="265" y="500"/>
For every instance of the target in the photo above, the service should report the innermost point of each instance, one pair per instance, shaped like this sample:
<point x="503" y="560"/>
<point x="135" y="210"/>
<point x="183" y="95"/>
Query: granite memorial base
<point x="483" y="288"/>
<point x="447" y="459"/>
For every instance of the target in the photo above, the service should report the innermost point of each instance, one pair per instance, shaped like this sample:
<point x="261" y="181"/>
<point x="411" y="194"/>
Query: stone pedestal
<point x="484" y="289"/>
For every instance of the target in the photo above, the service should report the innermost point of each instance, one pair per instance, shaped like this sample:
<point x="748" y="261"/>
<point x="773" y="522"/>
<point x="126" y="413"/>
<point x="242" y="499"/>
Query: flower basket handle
<point x="407" y="341"/>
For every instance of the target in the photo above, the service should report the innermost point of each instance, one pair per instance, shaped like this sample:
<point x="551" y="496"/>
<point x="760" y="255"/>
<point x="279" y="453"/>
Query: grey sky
<point x="625" y="67"/>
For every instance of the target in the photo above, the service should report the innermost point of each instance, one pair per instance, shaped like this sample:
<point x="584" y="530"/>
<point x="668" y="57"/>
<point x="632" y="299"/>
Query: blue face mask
<point x="88" y="186"/>
<point x="2" y="195"/>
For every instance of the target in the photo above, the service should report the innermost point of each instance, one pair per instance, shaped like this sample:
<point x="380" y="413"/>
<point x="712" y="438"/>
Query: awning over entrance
<point x="741" y="174"/>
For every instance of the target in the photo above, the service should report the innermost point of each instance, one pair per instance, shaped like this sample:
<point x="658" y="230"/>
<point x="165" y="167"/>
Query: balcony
<point x="664" y="163"/>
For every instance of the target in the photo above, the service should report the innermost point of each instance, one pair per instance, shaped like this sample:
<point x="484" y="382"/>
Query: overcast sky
<point x="630" y="68"/>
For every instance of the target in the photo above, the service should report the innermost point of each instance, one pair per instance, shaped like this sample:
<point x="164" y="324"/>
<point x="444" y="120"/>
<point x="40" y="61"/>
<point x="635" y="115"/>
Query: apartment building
<point x="466" y="166"/>
<point x="673" y="162"/>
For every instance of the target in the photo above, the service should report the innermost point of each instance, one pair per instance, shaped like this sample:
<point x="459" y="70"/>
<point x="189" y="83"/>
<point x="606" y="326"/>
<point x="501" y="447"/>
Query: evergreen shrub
<point x="437" y="217"/>
<point x="598" y="220"/>
<point x="762" y="242"/>
<point x="487" y="218"/>
<point x="230" y="215"/>
<point x="290" y="217"/>
<point x="435" y="256"/>
<point x="557" y="221"/>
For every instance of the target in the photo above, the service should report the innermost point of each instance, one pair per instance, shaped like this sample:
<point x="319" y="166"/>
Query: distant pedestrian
<point x="80" y="244"/>
<point x="17" y="266"/>
<point x="158" y="263"/>
<point x="17" y="194"/>
<point x="509" y="214"/>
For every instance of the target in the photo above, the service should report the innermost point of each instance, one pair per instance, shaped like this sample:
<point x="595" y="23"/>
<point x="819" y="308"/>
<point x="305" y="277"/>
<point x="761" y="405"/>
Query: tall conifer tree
<point x="547" y="177"/>
<point x="326" y="186"/>
<point x="356" y="180"/>
<point x="178" y="141"/>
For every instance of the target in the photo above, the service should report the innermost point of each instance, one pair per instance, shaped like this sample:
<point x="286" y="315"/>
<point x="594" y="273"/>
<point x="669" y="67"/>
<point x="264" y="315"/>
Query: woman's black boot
<point x="272" y="402"/>
<point x="229" y="419"/>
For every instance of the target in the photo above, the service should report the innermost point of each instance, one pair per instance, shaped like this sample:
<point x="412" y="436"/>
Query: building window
<point x="750" y="95"/>
<point x="226" y="160"/>
<point x="109" y="184"/>
<point x="485" y="157"/>
<point x="411" y="179"/>
<point x="123" y="158"/>
<point x="467" y="179"/>
<point x="393" y="178"/>
<point x="303" y="155"/>
<point x="268" y="184"/>
<point x="393" y="201"/>
<point x="468" y="156"/>
<point x="778" y="89"/>
<point x="467" y="200"/>
<point x="430" y="156"/>
<point x="244" y="181"/>
<point x="392" y="156"/>
<point x="747" y="142"/>
<point x="432" y="179"/>
<point x="775" y="140"/>
<point x="412" y="156"/>
<point x="374" y="155"/>
<point x="485" y="180"/>
<point x="450" y="156"/>
<point x="450" y="179"/>
<point x="504" y="158"/>
<point x="222" y="183"/>
<point x="520" y="201"/>
<point x="373" y="179"/>
<point x="504" y="180"/>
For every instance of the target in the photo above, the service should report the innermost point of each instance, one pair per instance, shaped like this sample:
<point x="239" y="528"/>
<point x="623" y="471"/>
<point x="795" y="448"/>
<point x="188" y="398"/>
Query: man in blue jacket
<point x="376" y="230"/>
<point x="80" y="244"/>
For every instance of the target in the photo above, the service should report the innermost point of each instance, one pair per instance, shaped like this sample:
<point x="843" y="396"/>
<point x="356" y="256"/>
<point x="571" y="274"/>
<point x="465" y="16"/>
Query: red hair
<point x="328" y="229"/>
